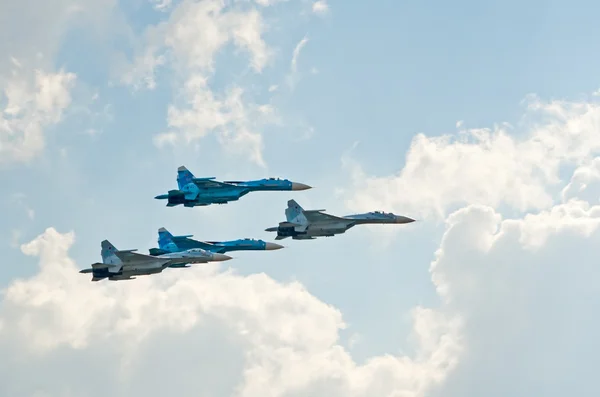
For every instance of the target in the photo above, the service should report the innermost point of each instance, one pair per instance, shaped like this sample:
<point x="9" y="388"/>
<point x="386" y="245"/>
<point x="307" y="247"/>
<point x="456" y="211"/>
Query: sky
<point x="479" y="119"/>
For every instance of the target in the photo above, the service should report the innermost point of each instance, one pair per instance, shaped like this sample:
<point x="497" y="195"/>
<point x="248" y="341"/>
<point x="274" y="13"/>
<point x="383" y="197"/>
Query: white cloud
<point x="498" y="281"/>
<point x="320" y="7"/>
<point x="487" y="166"/>
<point x="585" y="183"/>
<point x="526" y="312"/>
<point x="285" y="339"/>
<point x="189" y="42"/>
<point x="36" y="94"/>
<point x="162" y="5"/>
<point x="296" y="53"/>
<point x="33" y="102"/>
<point x="234" y="120"/>
<point x="292" y="78"/>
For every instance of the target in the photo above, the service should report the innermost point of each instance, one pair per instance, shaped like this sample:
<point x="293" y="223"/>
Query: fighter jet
<point x="122" y="265"/>
<point x="194" y="192"/>
<point x="307" y="224"/>
<point x="169" y="243"/>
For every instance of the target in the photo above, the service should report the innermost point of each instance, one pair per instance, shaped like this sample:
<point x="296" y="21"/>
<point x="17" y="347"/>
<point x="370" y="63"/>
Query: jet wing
<point x="316" y="216"/>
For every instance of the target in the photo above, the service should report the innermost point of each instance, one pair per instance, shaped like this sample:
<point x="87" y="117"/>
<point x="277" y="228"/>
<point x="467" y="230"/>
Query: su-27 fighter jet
<point x="122" y="265"/>
<point x="169" y="243"/>
<point x="307" y="224"/>
<point x="194" y="192"/>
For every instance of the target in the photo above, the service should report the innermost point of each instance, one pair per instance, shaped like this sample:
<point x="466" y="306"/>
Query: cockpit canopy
<point x="381" y="213"/>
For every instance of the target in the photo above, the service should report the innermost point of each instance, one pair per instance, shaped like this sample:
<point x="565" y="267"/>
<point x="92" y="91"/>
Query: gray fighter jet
<point x="122" y="265"/>
<point x="304" y="224"/>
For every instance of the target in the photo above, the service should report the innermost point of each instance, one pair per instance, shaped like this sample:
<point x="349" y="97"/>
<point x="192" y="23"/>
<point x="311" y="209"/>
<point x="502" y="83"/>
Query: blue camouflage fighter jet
<point x="194" y="192"/>
<point x="167" y="243"/>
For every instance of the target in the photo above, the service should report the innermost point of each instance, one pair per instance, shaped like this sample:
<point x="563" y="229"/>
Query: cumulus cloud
<point x="33" y="102"/>
<point x="234" y="119"/>
<point x="285" y="339"/>
<point x="488" y="166"/>
<point x="585" y="182"/>
<point x="515" y="297"/>
<point x="525" y="311"/>
<point x="33" y="94"/>
<point x="320" y="7"/>
<point x="188" y="43"/>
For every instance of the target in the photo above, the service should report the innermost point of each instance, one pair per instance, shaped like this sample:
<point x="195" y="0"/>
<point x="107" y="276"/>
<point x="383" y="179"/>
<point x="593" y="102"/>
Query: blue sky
<point x="370" y="76"/>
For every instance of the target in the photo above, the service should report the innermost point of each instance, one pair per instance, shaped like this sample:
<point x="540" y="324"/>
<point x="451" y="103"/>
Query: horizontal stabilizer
<point x="309" y="211"/>
<point x="182" y="237"/>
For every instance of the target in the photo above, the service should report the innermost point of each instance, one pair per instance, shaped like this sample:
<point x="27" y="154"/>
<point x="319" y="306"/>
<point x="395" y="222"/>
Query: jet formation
<point x="183" y="251"/>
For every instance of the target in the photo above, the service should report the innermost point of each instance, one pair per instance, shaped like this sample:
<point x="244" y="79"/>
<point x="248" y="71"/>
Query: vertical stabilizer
<point x="165" y="241"/>
<point x="184" y="177"/>
<point x="109" y="257"/>
<point x="164" y="237"/>
<point x="294" y="213"/>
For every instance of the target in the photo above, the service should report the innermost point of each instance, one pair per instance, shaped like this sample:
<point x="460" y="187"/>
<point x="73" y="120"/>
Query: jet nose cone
<point x="162" y="197"/>
<point x="273" y="246"/>
<point x="221" y="257"/>
<point x="300" y="186"/>
<point x="404" y="219"/>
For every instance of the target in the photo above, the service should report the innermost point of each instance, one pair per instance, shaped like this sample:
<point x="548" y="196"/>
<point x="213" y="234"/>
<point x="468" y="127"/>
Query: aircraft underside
<point x="310" y="233"/>
<point x="124" y="275"/>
